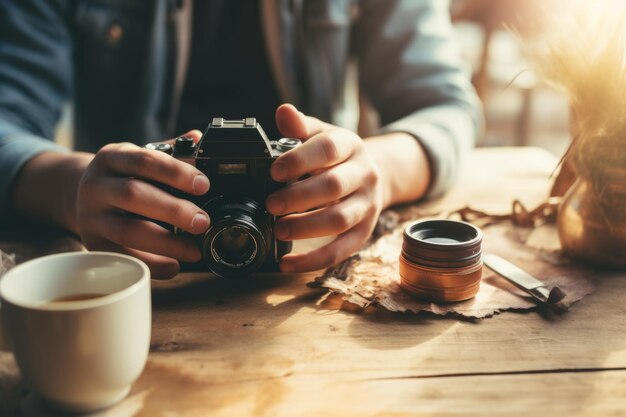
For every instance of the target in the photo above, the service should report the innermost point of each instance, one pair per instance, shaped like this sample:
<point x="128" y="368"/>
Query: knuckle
<point x="371" y="211"/>
<point x="341" y="221"/>
<point x="329" y="148"/>
<point x="289" y="161"/>
<point x="372" y="177"/>
<point x="109" y="148"/>
<point x="126" y="147"/>
<point x="142" y="160"/>
<point x="106" y="152"/>
<point x="130" y="190"/>
<point x="178" y="212"/>
<point x="334" y="185"/>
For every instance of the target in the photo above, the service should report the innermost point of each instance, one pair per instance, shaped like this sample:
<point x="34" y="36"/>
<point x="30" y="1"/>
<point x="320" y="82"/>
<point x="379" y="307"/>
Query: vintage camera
<point x="236" y="155"/>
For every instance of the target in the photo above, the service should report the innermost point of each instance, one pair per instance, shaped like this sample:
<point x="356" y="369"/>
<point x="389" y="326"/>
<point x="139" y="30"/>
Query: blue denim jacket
<point x="123" y="64"/>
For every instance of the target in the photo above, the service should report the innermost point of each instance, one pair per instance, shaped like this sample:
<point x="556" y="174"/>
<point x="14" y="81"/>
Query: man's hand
<point x="117" y="187"/>
<point x="341" y="194"/>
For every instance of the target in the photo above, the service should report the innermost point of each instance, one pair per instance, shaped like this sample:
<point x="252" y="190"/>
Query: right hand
<point x="116" y="185"/>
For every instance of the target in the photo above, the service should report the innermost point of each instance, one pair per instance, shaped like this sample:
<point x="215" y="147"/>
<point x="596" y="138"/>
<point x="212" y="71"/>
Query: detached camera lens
<point x="441" y="260"/>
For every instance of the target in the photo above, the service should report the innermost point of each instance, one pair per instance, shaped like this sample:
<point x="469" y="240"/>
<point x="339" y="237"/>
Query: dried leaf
<point x="373" y="279"/>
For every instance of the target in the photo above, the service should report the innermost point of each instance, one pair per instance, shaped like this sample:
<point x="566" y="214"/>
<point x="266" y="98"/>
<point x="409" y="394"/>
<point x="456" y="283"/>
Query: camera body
<point x="236" y="156"/>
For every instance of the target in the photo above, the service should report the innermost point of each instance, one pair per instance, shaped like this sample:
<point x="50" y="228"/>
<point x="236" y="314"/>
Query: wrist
<point x="75" y="167"/>
<point x="404" y="167"/>
<point x="47" y="186"/>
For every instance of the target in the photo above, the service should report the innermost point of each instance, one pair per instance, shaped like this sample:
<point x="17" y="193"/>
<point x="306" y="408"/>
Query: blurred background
<point x="520" y="108"/>
<point x="495" y="37"/>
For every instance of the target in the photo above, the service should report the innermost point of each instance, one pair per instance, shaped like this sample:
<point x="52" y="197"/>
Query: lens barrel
<point x="237" y="243"/>
<point x="441" y="260"/>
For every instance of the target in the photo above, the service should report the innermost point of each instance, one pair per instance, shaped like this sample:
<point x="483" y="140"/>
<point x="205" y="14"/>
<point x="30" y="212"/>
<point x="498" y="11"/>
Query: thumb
<point x="194" y="134"/>
<point x="294" y="124"/>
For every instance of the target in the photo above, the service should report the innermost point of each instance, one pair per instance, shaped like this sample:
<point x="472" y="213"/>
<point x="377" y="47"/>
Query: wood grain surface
<point x="266" y="347"/>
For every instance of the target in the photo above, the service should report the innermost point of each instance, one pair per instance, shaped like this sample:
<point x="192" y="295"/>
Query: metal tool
<point x="526" y="282"/>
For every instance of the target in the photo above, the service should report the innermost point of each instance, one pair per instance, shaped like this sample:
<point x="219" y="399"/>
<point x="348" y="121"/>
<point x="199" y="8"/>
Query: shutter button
<point x="184" y="145"/>
<point x="286" y="144"/>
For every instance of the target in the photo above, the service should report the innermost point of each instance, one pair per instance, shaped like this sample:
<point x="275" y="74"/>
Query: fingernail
<point x="200" y="184"/>
<point x="287" y="266"/>
<point x="200" y="223"/>
<point x="281" y="231"/>
<point x="275" y="205"/>
<point x="278" y="171"/>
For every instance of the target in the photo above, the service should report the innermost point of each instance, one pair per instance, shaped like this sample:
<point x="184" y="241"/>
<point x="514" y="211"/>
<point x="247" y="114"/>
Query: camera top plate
<point x="234" y="139"/>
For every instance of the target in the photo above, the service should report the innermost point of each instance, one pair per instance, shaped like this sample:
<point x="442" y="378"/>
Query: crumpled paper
<point x="371" y="277"/>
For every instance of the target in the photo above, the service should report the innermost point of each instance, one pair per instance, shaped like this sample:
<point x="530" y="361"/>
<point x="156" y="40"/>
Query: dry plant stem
<point x="519" y="216"/>
<point x="586" y="57"/>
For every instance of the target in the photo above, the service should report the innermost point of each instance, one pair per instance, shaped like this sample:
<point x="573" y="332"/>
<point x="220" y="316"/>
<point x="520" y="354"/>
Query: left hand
<point x="342" y="194"/>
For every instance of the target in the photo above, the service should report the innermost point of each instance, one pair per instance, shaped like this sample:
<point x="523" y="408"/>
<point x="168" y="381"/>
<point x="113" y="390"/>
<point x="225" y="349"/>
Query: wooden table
<point x="268" y="349"/>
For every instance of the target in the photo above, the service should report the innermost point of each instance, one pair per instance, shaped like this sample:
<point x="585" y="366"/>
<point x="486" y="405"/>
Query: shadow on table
<point x="203" y="329"/>
<point x="563" y="364"/>
<point x="285" y="295"/>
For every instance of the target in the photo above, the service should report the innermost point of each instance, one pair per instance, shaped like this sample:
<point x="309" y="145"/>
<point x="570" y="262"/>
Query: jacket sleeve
<point x="410" y="70"/>
<point x="35" y="79"/>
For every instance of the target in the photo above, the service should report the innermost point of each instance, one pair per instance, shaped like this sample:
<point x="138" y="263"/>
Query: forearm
<point x="46" y="188"/>
<point x="422" y="88"/>
<point x="404" y="167"/>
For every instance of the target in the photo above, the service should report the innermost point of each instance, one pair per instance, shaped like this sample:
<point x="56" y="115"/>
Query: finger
<point x="294" y="124"/>
<point x="194" y="134"/>
<point x="139" y="197"/>
<point x="328" y="221"/>
<point x="161" y="267"/>
<point x="336" y="251"/>
<point x="130" y="160"/>
<point x="321" y="151"/>
<point x="148" y="237"/>
<point x="317" y="191"/>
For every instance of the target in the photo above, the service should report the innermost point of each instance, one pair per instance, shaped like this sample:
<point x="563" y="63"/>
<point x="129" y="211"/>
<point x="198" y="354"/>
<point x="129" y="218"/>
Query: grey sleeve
<point x="410" y="70"/>
<point x="35" y="79"/>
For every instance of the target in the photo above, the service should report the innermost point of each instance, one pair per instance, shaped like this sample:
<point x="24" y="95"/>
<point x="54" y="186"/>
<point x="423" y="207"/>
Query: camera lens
<point x="236" y="244"/>
<point x="441" y="260"/>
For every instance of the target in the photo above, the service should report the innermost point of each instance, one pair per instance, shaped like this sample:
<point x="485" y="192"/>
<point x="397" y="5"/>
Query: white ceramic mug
<point x="79" y="355"/>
